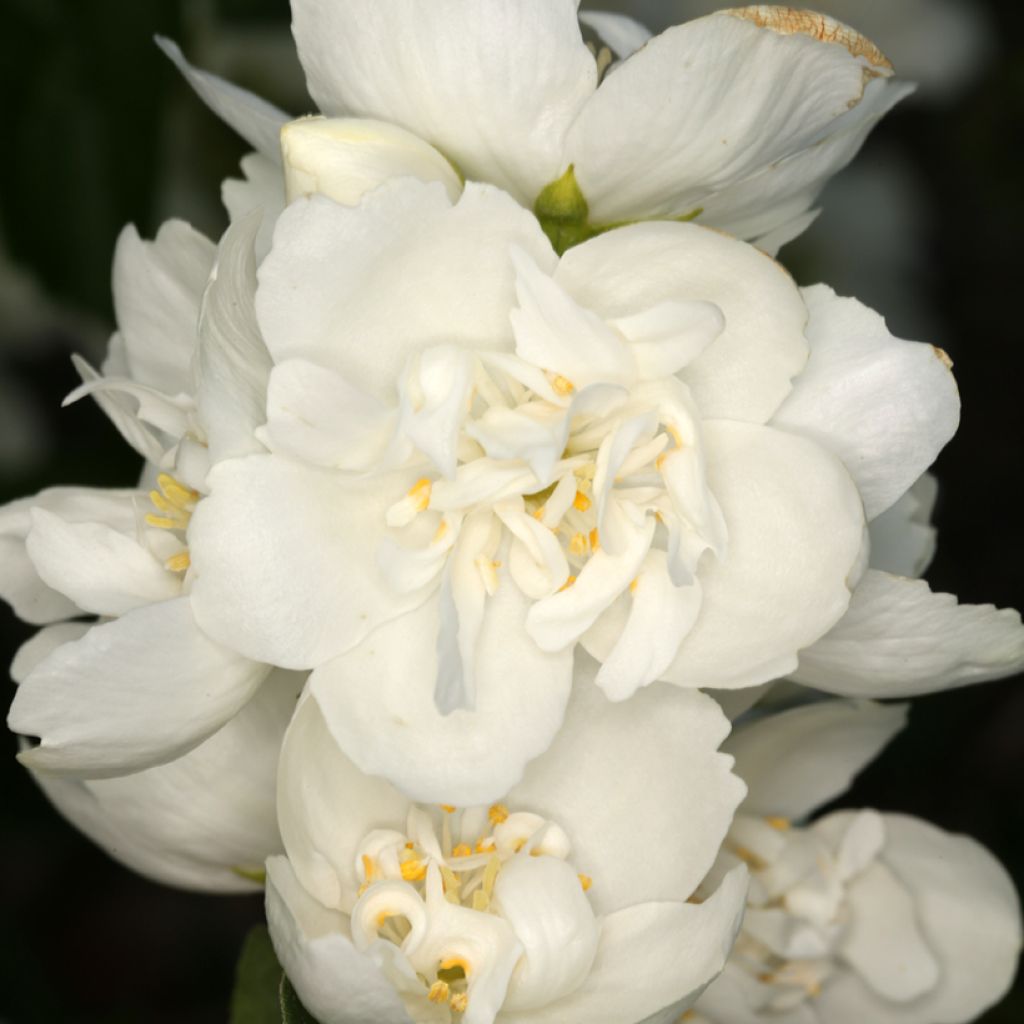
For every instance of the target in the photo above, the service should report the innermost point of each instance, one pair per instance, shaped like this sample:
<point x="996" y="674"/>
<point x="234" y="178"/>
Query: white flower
<point x="481" y="454"/>
<point x="143" y="685"/>
<point x="737" y="119"/>
<point x="859" y="916"/>
<point x="568" y="901"/>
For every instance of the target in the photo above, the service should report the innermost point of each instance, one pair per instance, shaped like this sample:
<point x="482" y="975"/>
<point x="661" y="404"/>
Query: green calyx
<point x="564" y="213"/>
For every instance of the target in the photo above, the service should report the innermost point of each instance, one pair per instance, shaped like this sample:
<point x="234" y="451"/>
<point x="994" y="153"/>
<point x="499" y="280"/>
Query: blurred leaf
<point x="292" y="1011"/>
<point x="257" y="977"/>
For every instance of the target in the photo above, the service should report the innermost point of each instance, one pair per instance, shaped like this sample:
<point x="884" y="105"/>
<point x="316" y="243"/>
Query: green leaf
<point x="292" y="1011"/>
<point x="257" y="977"/>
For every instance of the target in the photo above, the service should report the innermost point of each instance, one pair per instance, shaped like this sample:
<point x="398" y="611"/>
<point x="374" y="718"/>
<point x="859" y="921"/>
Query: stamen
<point x="414" y="870"/>
<point x="581" y="501"/>
<point x="567" y="584"/>
<point x="179" y="562"/>
<point x="498" y="814"/>
<point x="779" y="824"/>
<point x="447" y="808"/>
<point x="439" y="992"/>
<point x="578" y="544"/>
<point x="595" y="539"/>
<point x="462" y="850"/>
<point x="587" y="882"/>
<point x="459" y="1003"/>
<point x="420" y="493"/>
<point x="175" y="500"/>
<point x="562" y="386"/>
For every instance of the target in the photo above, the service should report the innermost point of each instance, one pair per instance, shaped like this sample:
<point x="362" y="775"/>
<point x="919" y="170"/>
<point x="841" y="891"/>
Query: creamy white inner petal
<point x="481" y="905"/>
<point x="817" y="907"/>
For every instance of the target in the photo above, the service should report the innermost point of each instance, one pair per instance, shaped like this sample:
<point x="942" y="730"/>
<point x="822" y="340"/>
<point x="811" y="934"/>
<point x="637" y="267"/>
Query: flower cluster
<point x="488" y="436"/>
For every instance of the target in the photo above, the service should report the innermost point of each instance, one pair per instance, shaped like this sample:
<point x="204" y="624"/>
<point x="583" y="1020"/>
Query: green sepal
<point x="562" y="211"/>
<point x="292" y="1010"/>
<point x="257" y="979"/>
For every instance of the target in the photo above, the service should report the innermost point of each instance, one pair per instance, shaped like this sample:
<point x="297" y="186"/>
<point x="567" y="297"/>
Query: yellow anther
<point x="369" y="867"/>
<point x="497" y="814"/>
<point x="779" y="824"/>
<point x="173" y="499"/>
<point x="414" y="870"/>
<point x="567" y="584"/>
<point x="441" y="530"/>
<point x="410" y="845"/>
<point x="382" y="918"/>
<point x="439" y="992"/>
<point x="448" y="808"/>
<point x="538" y="513"/>
<point x="634" y="584"/>
<point x="485" y="845"/>
<point x="562" y="385"/>
<point x="595" y="539"/>
<point x="581" y="501"/>
<point x="586" y="881"/>
<point x="578" y="544"/>
<point x="177" y="493"/>
<point x="462" y="850"/>
<point x="459" y="1003"/>
<point x="420" y="493"/>
<point x="660" y="461"/>
<point x="166" y="522"/>
<point x="179" y="562"/>
<point x="160" y="501"/>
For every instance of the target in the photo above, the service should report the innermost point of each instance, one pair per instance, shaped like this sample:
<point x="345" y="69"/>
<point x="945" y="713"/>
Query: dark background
<point x="95" y="116"/>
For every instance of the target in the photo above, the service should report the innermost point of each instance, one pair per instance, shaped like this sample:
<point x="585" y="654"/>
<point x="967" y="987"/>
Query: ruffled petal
<point x="492" y="85"/>
<point x="886" y="407"/>
<point x="132" y="693"/>
<point x="285" y="558"/>
<point x="686" y="122"/>
<point x="900" y="639"/>
<point x="394" y="728"/>
<point x="796" y="761"/>
<point x="747" y="371"/>
<point x="254" y="119"/>
<point x="204" y="822"/>
<point x="261" y="189"/>
<point x="795" y="526"/>
<point x="902" y="538"/>
<point x="652" y="842"/>
<point x="360" y="289"/>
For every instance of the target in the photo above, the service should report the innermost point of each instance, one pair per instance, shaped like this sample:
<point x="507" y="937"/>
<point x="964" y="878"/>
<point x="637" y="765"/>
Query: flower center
<point x="464" y="900"/>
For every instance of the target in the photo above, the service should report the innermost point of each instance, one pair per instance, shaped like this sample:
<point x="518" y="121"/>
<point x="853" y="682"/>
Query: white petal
<point x="158" y="287"/>
<point x="970" y="915"/>
<point x="886" y="407"/>
<point x="494" y="86"/>
<point x="327" y="806"/>
<point x="645" y="813"/>
<point x="394" y="728"/>
<point x="256" y="120"/>
<point x="637" y="638"/>
<point x="623" y="35"/>
<point x="41" y="645"/>
<point x="132" y="693"/>
<point x="902" y="538"/>
<point x="899" y="639"/>
<point x="704" y="107"/>
<point x="360" y="289"/>
<point x="285" y="559"/>
<point x="668" y="337"/>
<point x="334" y="981"/>
<point x="100" y="569"/>
<point x="746" y="373"/>
<point x="316" y="416"/>
<point x="796" y="761"/>
<point x="653" y="961"/>
<point x="20" y="583"/>
<point x="203" y="821"/>
<point x="232" y="363"/>
<point x="261" y="189"/>
<point x="795" y="527"/>
<point x="344" y="158"/>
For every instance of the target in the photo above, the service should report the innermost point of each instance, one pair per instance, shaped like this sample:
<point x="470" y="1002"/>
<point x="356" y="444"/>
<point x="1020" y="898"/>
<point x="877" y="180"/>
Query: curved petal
<point x="20" y="583"/>
<point x="254" y="119"/>
<point x="492" y="85"/>
<point x="707" y="105"/>
<point x="902" y="538"/>
<point x="359" y="289"/>
<point x="394" y="728"/>
<point x="232" y="363"/>
<point x="746" y="372"/>
<point x="103" y="571"/>
<point x="336" y="983"/>
<point x="285" y="559"/>
<point x="653" y="960"/>
<point x="795" y="526"/>
<point x="970" y="915"/>
<point x="622" y="34"/>
<point x="886" y="407"/>
<point x="652" y="841"/>
<point x="205" y="821"/>
<point x="158" y="288"/>
<point x="899" y="639"/>
<point x="261" y="189"/>
<point x="796" y="761"/>
<point x="132" y="693"/>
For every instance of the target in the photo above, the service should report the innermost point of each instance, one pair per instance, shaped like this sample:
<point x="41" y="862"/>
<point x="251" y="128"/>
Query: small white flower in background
<point x="736" y="120"/>
<point x="857" y="916"/>
<point x="570" y="900"/>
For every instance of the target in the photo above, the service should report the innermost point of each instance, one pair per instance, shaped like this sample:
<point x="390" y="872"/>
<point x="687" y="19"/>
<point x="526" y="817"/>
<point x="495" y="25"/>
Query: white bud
<point x="344" y="158"/>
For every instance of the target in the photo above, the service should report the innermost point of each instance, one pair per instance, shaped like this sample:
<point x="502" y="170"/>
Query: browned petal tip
<point x="943" y="357"/>
<point x="793" y="21"/>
